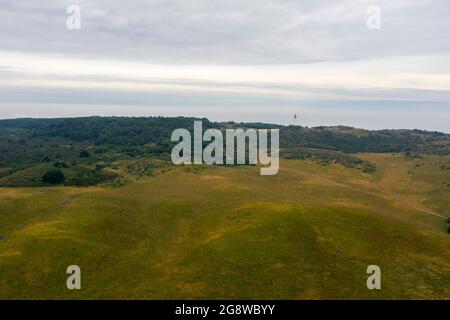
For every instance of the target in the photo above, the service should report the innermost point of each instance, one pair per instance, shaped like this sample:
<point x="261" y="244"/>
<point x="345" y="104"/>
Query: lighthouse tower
<point x="295" y="121"/>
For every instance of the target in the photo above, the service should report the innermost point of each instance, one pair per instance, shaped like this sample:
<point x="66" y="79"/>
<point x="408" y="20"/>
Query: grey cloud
<point x="217" y="31"/>
<point x="381" y="101"/>
<point x="238" y="32"/>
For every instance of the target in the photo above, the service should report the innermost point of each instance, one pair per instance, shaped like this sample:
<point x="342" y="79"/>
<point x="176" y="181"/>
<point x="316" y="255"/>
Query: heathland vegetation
<point x="84" y="149"/>
<point x="101" y="193"/>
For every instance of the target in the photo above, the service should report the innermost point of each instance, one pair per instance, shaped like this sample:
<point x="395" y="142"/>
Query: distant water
<point x="434" y="119"/>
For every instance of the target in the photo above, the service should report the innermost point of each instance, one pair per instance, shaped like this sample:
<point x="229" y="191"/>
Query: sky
<point x="368" y="64"/>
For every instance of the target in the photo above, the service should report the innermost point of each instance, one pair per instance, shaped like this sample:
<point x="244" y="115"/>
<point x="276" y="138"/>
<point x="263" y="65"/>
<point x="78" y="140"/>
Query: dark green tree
<point x="84" y="154"/>
<point x="53" y="177"/>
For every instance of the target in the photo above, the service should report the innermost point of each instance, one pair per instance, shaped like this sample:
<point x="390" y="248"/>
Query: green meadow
<point x="214" y="232"/>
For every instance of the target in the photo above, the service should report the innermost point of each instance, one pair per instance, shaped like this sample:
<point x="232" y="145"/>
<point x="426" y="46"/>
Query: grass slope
<point x="215" y="232"/>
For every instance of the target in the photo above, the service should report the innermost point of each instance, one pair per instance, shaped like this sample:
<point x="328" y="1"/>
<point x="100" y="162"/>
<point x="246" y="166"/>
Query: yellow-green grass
<point x="228" y="233"/>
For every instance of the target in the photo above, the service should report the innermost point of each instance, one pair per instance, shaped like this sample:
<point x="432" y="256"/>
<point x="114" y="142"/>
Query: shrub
<point x="53" y="177"/>
<point x="84" y="154"/>
<point x="60" y="164"/>
<point x="91" y="178"/>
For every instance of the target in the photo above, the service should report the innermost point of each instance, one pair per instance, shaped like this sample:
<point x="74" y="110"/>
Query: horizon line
<point x="219" y="122"/>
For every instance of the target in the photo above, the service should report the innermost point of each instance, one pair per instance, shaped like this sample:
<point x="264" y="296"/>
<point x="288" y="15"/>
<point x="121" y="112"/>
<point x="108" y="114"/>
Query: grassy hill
<point x="29" y="147"/>
<point x="216" y="232"/>
<point x="156" y="231"/>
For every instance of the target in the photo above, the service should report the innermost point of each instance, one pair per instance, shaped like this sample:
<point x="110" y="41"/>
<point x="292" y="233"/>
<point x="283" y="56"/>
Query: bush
<point x="84" y="154"/>
<point x="60" y="164"/>
<point x="91" y="178"/>
<point x="53" y="177"/>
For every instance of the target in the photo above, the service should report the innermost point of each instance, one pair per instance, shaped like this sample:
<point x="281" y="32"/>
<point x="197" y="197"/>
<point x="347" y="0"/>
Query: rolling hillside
<point x="156" y="231"/>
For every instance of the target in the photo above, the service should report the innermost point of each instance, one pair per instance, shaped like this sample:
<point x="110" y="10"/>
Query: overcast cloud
<point x="238" y="60"/>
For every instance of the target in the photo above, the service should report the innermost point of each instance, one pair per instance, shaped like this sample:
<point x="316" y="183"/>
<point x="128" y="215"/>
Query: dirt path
<point x="410" y="206"/>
